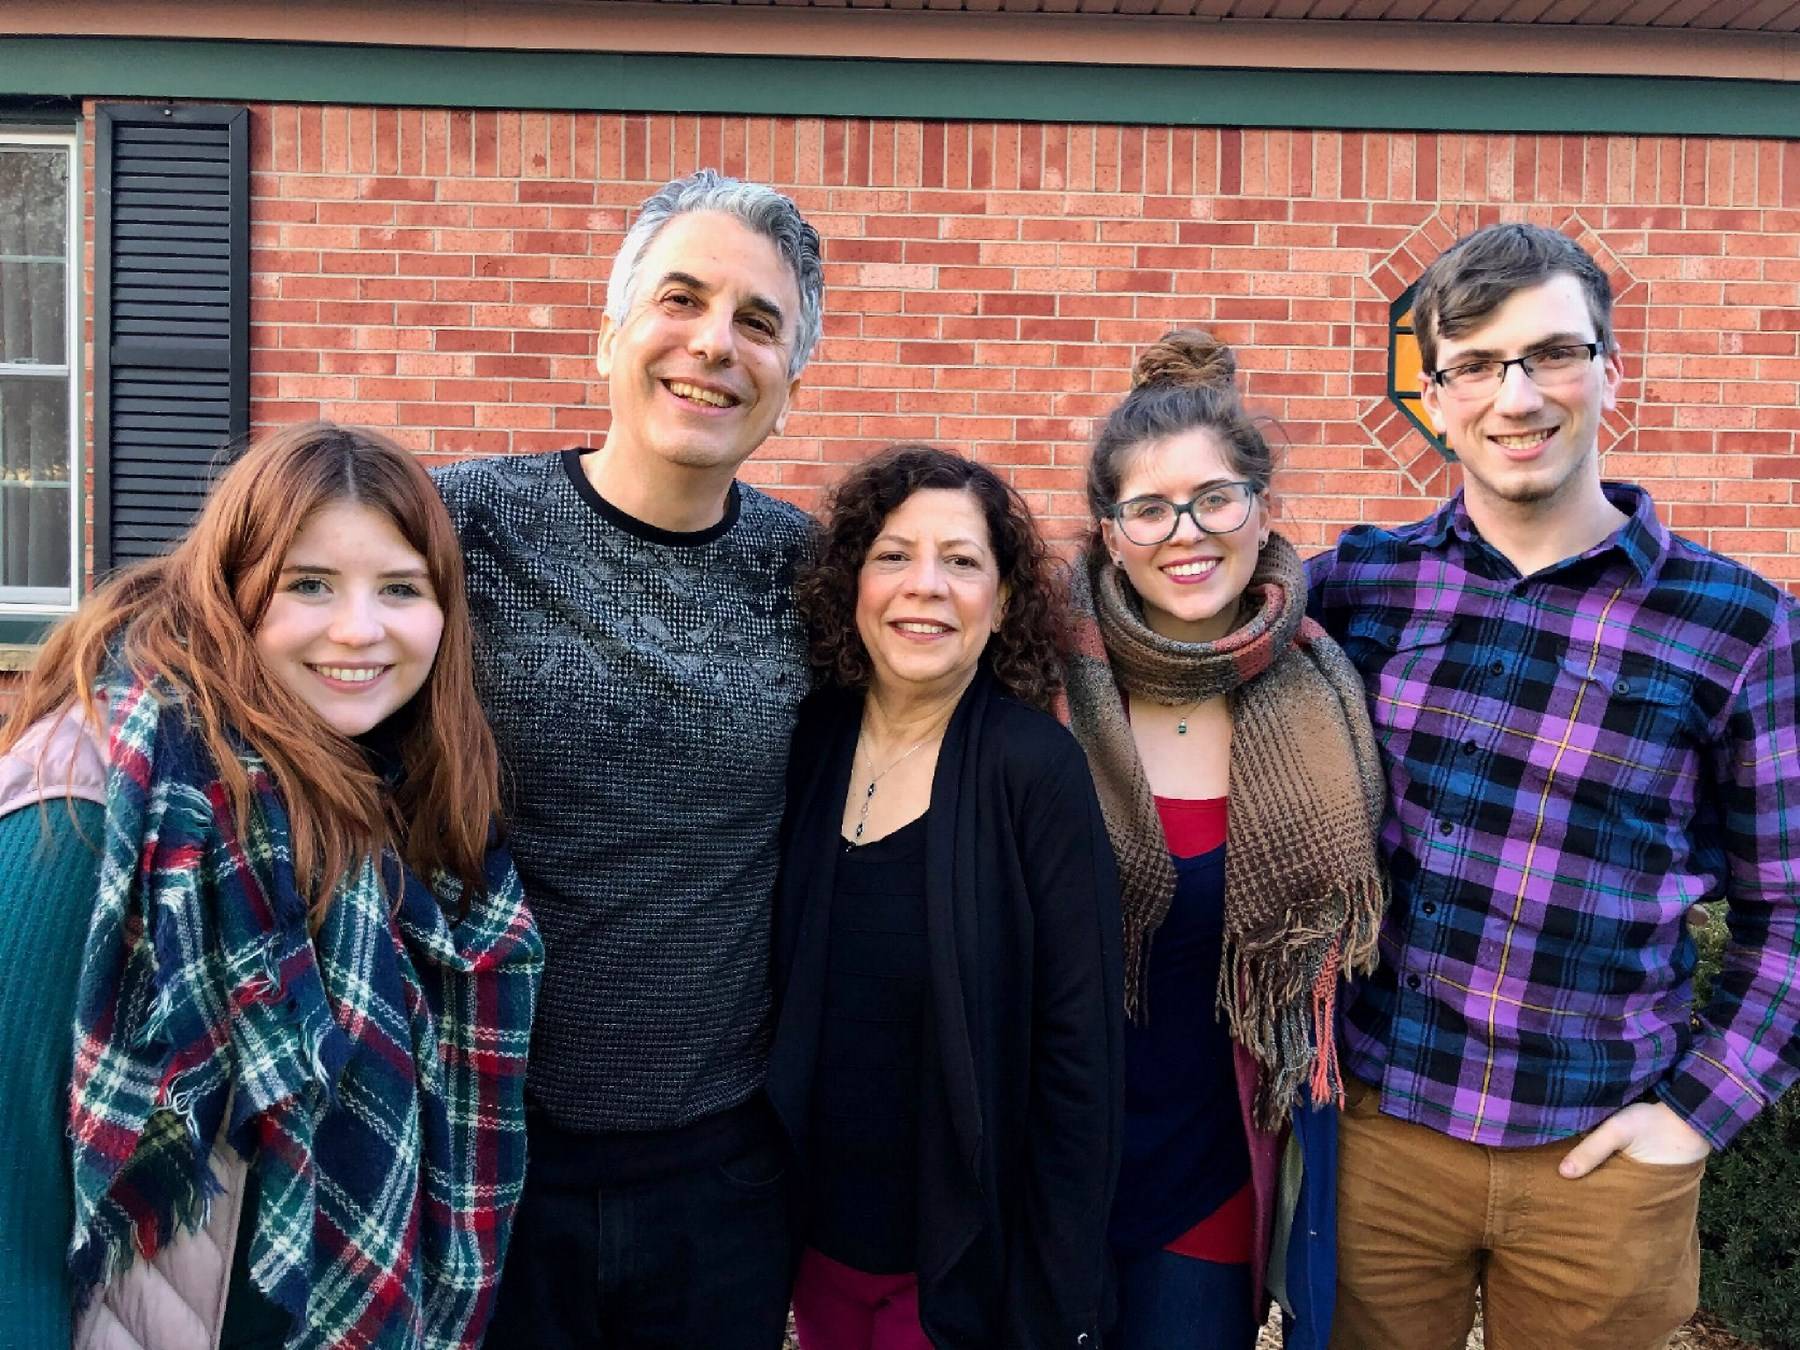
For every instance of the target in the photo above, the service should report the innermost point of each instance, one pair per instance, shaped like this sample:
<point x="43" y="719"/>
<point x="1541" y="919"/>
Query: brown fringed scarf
<point x="1303" y="887"/>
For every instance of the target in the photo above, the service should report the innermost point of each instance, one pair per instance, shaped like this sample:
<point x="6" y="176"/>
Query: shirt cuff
<point x="1710" y="1091"/>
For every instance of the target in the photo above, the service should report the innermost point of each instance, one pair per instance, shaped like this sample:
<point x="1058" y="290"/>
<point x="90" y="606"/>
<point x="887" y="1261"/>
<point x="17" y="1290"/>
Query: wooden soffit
<point x="1718" y="39"/>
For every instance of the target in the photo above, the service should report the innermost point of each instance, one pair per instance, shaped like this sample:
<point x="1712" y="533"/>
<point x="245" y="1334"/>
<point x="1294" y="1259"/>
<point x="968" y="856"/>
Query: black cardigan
<point x="1020" y="1105"/>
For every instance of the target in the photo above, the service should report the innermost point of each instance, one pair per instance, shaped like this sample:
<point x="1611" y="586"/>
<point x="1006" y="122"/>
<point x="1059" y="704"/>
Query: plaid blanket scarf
<point x="374" y="1071"/>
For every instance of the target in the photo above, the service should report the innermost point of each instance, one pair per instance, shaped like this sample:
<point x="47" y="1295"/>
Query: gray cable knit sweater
<point x="642" y="685"/>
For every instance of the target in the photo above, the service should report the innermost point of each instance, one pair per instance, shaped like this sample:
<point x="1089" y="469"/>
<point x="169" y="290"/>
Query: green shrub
<point x="1750" y="1213"/>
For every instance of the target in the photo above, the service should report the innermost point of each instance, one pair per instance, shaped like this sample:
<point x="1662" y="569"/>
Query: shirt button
<point x="1392" y="640"/>
<point x="1621" y="687"/>
<point x="1445" y="827"/>
<point x="1429" y="907"/>
<point x="1412" y="981"/>
<point x="1469" y="747"/>
<point x="1496" y="667"/>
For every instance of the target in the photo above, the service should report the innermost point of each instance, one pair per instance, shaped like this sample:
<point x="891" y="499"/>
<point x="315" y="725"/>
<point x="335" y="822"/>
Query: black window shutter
<point x="171" y="317"/>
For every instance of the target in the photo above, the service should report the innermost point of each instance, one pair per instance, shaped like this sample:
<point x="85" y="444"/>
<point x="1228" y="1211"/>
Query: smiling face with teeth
<point x="698" y="368"/>
<point x="354" y="624"/>
<point x="1190" y="583"/>
<point x="1520" y="445"/>
<point x="929" y="596"/>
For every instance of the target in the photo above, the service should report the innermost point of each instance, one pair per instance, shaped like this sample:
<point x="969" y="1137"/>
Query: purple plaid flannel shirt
<point x="1574" y="758"/>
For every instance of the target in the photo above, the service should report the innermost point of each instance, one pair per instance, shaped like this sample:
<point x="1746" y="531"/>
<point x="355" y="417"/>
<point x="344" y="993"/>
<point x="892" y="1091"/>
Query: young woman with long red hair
<point x="260" y="879"/>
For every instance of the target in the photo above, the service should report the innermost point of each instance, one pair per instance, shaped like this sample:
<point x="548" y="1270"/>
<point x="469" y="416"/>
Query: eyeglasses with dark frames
<point x="1548" y="367"/>
<point x="1217" y="509"/>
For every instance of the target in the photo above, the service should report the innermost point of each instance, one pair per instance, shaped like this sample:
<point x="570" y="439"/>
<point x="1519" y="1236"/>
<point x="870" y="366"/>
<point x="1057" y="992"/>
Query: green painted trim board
<point x="800" y="86"/>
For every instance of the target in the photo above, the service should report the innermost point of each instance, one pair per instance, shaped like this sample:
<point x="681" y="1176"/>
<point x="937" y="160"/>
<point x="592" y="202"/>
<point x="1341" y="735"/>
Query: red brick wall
<point x="441" y="275"/>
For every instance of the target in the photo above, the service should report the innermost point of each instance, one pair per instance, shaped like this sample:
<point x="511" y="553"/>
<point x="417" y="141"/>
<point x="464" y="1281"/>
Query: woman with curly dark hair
<point x="947" y="941"/>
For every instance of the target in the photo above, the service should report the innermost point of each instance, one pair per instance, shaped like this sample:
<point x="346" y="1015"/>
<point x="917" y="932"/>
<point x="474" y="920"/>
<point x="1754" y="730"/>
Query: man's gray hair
<point x="760" y="208"/>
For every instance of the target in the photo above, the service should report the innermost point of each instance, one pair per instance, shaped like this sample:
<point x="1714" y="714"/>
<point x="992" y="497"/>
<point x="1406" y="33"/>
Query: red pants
<point x="838" y="1308"/>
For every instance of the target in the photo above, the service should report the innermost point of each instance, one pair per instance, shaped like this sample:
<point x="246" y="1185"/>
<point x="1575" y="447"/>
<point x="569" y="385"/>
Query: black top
<point x="865" y="1115"/>
<point x="1018" y="1099"/>
<point x="1185" y="1153"/>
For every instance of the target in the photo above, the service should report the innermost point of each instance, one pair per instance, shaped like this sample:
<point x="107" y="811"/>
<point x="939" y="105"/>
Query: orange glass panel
<point x="1407" y="363"/>
<point x="1404" y="372"/>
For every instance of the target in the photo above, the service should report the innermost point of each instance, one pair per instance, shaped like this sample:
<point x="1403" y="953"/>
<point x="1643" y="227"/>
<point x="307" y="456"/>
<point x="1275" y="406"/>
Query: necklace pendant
<point x="1181" y="727"/>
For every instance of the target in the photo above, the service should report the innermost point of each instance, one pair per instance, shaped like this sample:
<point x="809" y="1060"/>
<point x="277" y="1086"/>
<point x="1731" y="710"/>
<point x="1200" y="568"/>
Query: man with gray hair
<point x="640" y="659"/>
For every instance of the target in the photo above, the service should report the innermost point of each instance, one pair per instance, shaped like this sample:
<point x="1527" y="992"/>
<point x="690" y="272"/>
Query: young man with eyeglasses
<point x="1589" y="724"/>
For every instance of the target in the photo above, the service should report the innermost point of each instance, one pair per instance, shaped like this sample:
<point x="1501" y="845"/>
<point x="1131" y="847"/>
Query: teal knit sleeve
<point x="48" y="876"/>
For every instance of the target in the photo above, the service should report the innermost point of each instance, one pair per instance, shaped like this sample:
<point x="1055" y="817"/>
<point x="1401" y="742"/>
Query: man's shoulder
<point x="471" y="481"/>
<point x="1364" y="550"/>
<point x="769" y="530"/>
<point x="1381" y="543"/>
<point x="1689" y="563"/>
<point x="761" y="513"/>
<point x="1721" y="593"/>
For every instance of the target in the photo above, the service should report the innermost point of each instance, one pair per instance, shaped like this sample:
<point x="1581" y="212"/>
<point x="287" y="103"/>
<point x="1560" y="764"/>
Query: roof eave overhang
<point x="933" y="35"/>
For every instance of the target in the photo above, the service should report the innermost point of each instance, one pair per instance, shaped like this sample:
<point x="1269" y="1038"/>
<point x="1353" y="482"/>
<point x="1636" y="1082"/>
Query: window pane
<point x="34" y="489"/>
<point x="33" y="254"/>
<point x="1407" y="365"/>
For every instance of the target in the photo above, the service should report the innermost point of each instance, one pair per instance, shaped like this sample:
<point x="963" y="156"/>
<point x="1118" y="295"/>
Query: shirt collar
<point x="1451" y="516"/>
<point x="1643" y="539"/>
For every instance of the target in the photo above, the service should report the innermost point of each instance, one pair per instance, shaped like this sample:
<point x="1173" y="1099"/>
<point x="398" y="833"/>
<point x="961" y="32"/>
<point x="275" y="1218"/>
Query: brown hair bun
<point x="1186" y="358"/>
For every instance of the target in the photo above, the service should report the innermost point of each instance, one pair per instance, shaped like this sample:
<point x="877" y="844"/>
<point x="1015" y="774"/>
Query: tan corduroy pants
<point x="1609" y="1262"/>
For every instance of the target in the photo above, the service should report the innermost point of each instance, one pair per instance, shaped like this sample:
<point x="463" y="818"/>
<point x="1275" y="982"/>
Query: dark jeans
<point x="699" y="1259"/>
<point x="1166" y="1300"/>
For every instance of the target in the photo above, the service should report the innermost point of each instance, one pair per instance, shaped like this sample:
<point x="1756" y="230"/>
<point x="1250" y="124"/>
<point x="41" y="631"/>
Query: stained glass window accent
<point x="1404" y="366"/>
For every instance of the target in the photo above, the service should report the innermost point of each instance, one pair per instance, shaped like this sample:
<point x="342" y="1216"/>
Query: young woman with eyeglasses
<point x="1230" y="745"/>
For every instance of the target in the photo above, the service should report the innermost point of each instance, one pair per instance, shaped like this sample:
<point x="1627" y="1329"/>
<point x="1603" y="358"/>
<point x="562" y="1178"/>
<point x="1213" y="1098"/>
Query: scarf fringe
<point x="166" y="1191"/>
<point x="1140" y="931"/>
<point x="1286" y="1016"/>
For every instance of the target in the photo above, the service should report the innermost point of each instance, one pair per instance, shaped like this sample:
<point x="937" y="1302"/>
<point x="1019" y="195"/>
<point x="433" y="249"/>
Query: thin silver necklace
<point x="862" y="812"/>
<point x="1181" y="726"/>
<point x="1189" y="711"/>
<point x="1192" y="708"/>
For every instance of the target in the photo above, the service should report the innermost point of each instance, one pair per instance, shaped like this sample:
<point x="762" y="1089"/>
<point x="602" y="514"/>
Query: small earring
<point x="1117" y="560"/>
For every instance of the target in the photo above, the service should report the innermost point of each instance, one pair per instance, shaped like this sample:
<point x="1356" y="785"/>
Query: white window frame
<point x="22" y="601"/>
